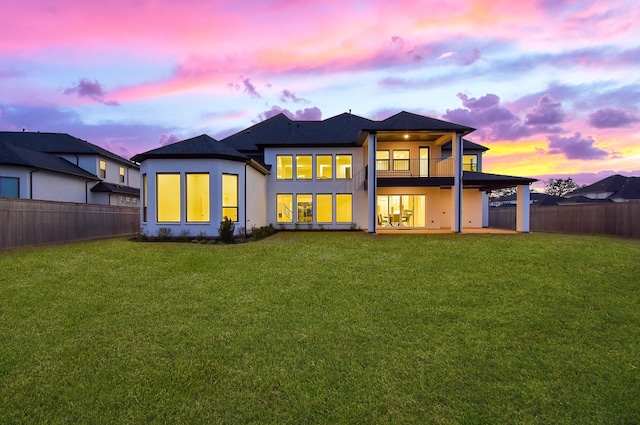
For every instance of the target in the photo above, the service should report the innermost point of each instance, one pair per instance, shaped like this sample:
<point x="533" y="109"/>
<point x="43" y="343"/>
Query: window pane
<point x="10" y="187"/>
<point x="344" y="208"/>
<point x="284" y="167"/>
<point x="304" y="169"/>
<point x="197" y="197"/>
<point x="324" y="208"/>
<point x="103" y="169"/>
<point x="121" y="174"/>
<point x="230" y="196"/>
<point x="470" y="162"/>
<point x="424" y="162"/>
<point x="144" y="198"/>
<point x="305" y="208"/>
<point x="284" y="208"/>
<point x="382" y="160"/>
<point x="401" y="160"/>
<point x="168" y="186"/>
<point x="324" y="167"/>
<point x="343" y="166"/>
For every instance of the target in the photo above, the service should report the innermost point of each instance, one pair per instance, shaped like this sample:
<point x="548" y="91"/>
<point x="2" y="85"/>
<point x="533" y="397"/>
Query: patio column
<point x="456" y="195"/>
<point x="485" y="209"/>
<point x="523" y="205"/>
<point x="371" y="176"/>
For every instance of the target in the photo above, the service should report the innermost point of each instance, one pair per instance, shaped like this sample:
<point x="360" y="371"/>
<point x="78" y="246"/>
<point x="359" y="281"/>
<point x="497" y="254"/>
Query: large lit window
<point x="401" y="160"/>
<point x="168" y="188"/>
<point x="284" y="208"/>
<point x="304" y="167"/>
<point x="284" y="167"/>
<point x="344" y="208"/>
<point x="305" y="208"/>
<point x="103" y="169"/>
<point x="230" y="196"/>
<point x="343" y="166"/>
<point x="324" y="167"/>
<point x="424" y="162"/>
<point x="382" y="160"/>
<point x="324" y="208"/>
<point x="197" y="197"/>
<point x="9" y="187"/>
<point x="470" y="162"/>
<point x="121" y="174"/>
<point x="144" y="198"/>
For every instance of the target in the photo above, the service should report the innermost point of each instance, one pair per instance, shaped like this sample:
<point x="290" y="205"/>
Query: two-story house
<point x="405" y="172"/>
<point x="60" y="167"/>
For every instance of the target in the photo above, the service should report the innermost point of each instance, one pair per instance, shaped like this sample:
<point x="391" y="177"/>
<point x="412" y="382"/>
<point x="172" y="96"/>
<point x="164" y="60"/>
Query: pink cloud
<point x="612" y="118"/>
<point x="576" y="147"/>
<point x="90" y="89"/>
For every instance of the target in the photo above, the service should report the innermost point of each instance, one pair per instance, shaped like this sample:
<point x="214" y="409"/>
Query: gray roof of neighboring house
<point x="57" y="143"/>
<point x="201" y="146"/>
<point x="115" y="188"/>
<point x="620" y="187"/>
<point x="580" y="199"/>
<point x="11" y="154"/>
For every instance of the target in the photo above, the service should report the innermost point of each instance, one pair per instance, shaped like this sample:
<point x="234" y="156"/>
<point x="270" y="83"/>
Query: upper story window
<point x="401" y="160"/>
<point x="103" y="169"/>
<point x="284" y="167"/>
<point x="121" y="174"/>
<point x="470" y="162"/>
<point x="304" y="167"/>
<point x="324" y="167"/>
<point x="344" y="166"/>
<point x="382" y="160"/>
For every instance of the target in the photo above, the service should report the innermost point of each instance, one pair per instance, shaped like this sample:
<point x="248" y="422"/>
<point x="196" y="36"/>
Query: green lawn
<point x="323" y="328"/>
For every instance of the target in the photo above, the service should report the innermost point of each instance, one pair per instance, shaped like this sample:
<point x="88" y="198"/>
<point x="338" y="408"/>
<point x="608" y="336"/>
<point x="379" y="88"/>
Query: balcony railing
<point x="417" y="167"/>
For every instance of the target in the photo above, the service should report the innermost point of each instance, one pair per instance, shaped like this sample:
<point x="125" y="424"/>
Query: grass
<point x="324" y="328"/>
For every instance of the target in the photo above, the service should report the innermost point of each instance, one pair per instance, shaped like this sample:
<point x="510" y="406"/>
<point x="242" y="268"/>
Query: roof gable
<point x="407" y="121"/>
<point x="201" y="146"/>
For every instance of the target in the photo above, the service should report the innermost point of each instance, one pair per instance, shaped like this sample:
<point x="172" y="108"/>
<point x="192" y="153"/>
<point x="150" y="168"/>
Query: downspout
<point x="31" y="182"/>
<point x="245" y="199"/>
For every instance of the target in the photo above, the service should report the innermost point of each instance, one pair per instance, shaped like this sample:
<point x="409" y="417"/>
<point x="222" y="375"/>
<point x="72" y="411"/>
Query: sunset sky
<point x="552" y="86"/>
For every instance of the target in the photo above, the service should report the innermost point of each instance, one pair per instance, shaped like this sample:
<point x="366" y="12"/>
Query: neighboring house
<point x="536" y="198"/>
<point x="614" y="188"/>
<point x="405" y="172"/>
<point x="60" y="167"/>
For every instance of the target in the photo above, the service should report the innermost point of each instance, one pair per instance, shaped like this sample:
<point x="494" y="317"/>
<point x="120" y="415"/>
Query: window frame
<point x="310" y="158"/>
<point x="473" y="164"/>
<point x="278" y="167"/>
<point x="337" y="220"/>
<point x="406" y="162"/>
<point x="278" y="217"/>
<point x="187" y="197"/>
<point x="14" y="180"/>
<point x="102" y="166"/>
<point x="318" y="175"/>
<point x="179" y="220"/>
<point x="122" y="174"/>
<point x="236" y="207"/>
<point x="297" y="204"/>
<point x="383" y="164"/>
<point x="350" y="176"/>
<point x="317" y="207"/>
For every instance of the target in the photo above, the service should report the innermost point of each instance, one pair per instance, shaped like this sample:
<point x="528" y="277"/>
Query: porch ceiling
<point x="438" y="138"/>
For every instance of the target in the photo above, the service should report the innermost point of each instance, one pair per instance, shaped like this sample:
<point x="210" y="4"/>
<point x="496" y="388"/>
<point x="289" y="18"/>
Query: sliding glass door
<point x="401" y="211"/>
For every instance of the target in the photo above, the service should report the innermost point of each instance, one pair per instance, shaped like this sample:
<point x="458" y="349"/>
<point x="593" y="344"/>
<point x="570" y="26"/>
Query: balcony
<point x="419" y="167"/>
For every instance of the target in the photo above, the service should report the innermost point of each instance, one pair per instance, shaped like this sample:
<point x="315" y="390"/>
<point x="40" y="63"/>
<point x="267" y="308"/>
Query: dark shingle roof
<point x="11" y="154"/>
<point x="407" y="121"/>
<point x="201" y="146"/>
<point x="115" y="188"/>
<point x="620" y="187"/>
<point x="467" y="145"/>
<point x="280" y="130"/>
<point x="57" y="143"/>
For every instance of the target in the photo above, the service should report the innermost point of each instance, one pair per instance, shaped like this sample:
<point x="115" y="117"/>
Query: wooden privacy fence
<point x="27" y="222"/>
<point x="614" y="218"/>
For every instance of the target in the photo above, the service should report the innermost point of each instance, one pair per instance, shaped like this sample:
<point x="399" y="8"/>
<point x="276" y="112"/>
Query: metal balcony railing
<point x="416" y="167"/>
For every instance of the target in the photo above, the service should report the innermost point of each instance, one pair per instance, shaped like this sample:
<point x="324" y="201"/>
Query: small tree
<point x="226" y="230"/>
<point x="560" y="187"/>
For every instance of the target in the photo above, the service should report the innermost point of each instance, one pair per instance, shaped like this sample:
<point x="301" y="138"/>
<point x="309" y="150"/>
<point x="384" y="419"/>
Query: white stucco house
<point x="346" y="172"/>
<point x="60" y="167"/>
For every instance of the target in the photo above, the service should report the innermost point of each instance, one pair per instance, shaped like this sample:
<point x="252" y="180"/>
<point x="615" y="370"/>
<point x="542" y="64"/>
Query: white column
<point x="456" y="194"/>
<point x="371" y="177"/>
<point x="522" y="213"/>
